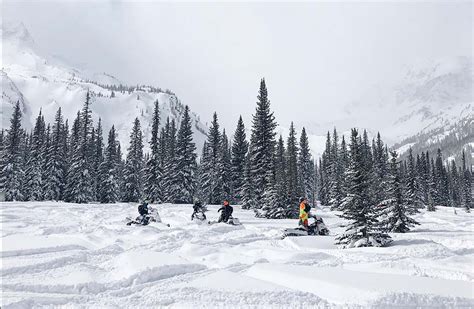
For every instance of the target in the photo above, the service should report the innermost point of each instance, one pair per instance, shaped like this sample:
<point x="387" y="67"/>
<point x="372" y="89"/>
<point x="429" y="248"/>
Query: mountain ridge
<point x="40" y="82"/>
<point x="428" y="97"/>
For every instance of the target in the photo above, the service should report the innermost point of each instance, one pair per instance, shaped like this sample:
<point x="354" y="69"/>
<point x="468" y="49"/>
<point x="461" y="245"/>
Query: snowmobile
<point x="230" y="220"/>
<point x="145" y="219"/>
<point x="199" y="214"/>
<point x="314" y="229"/>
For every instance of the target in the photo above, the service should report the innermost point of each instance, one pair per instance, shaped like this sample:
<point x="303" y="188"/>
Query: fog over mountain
<point x="317" y="58"/>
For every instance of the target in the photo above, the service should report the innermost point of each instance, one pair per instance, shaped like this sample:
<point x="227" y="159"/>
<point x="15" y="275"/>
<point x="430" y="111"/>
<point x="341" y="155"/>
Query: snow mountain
<point x="427" y="95"/>
<point x="439" y="108"/>
<point x="43" y="82"/>
<point x="428" y="105"/>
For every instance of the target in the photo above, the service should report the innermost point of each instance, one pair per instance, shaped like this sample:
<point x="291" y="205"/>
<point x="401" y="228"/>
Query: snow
<point x="43" y="82"/>
<point x="405" y="148"/>
<point x="61" y="254"/>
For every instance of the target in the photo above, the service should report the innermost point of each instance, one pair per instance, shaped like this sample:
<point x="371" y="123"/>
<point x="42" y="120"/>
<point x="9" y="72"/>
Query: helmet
<point x="302" y="199"/>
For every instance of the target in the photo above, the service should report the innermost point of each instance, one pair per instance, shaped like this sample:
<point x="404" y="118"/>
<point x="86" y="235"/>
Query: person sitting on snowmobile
<point x="143" y="211"/>
<point x="226" y="212"/>
<point x="198" y="209"/>
<point x="304" y="212"/>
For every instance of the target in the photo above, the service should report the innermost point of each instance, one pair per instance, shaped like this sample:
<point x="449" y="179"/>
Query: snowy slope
<point x="40" y="81"/>
<point x="428" y="97"/>
<point x="84" y="255"/>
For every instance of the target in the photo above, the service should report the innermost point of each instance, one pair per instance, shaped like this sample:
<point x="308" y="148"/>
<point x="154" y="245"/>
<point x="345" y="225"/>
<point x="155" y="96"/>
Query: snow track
<point x="58" y="254"/>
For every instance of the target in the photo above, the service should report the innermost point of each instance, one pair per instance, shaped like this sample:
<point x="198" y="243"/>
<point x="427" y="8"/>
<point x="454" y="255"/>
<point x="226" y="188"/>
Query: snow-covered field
<point x="85" y="256"/>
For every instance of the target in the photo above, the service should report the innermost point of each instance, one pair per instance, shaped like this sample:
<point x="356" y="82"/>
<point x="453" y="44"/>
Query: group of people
<point x="226" y="212"/>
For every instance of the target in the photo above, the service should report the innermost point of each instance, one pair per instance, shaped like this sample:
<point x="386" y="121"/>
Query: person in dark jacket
<point x="143" y="218"/>
<point x="199" y="210"/>
<point x="143" y="208"/>
<point x="226" y="212"/>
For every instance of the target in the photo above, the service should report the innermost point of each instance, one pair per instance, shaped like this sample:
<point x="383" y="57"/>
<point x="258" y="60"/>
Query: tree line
<point x="265" y="172"/>
<point x="425" y="181"/>
<point x="377" y="193"/>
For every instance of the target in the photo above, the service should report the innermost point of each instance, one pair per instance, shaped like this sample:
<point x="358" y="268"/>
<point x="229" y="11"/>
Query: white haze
<point x="316" y="57"/>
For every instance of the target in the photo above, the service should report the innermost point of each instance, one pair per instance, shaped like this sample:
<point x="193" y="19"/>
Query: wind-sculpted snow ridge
<point x="72" y="255"/>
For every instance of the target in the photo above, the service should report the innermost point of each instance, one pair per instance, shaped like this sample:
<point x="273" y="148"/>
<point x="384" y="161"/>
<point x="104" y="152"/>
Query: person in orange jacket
<point x="304" y="212"/>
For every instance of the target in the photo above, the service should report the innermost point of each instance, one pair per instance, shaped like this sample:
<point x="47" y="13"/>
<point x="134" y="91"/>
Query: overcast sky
<point x="315" y="56"/>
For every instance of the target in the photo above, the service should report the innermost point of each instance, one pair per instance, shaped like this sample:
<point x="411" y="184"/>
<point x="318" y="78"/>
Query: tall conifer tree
<point x="263" y="147"/>
<point x="134" y="165"/>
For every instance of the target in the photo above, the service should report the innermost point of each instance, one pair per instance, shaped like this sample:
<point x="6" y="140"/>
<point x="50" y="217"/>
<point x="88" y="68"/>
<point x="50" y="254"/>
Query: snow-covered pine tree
<point x="56" y="164"/>
<point x="412" y="193"/>
<point x="2" y="161"/>
<point x="97" y="158"/>
<point x="72" y="150"/>
<point x="281" y="181"/>
<point x="432" y="188"/>
<point x="423" y="177"/>
<point x="226" y="166"/>
<point x="163" y="158"/>
<point x="344" y="157"/>
<point x="368" y="161"/>
<point x="12" y="158"/>
<point x="169" y="167"/>
<point x="109" y="185"/>
<point x="34" y="166"/>
<point x="162" y="140"/>
<point x="395" y="210"/>
<point x="211" y="177"/>
<point x="47" y="158"/>
<point x="153" y="172"/>
<point x="321" y="181"/>
<point x="239" y="151"/>
<point x="133" y="172"/>
<point x="186" y="161"/>
<point x="25" y="150"/>
<point x="279" y="207"/>
<point x="361" y="230"/>
<point x="203" y="174"/>
<point x="326" y="170"/>
<point x="248" y="188"/>
<point x="466" y="185"/>
<point x="312" y="194"/>
<point x="335" y="195"/>
<point x="293" y="187"/>
<point x="454" y="185"/>
<point x="263" y="146"/>
<point x="65" y="140"/>
<point x="79" y="175"/>
<point x="442" y="187"/>
<point x="306" y="168"/>
<point x="316" y="181"/>
<point x="120" y="171"/>
<point x="380" y="169"/>
<point x="367" y="151"/>
<point x="90" y="157"/>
